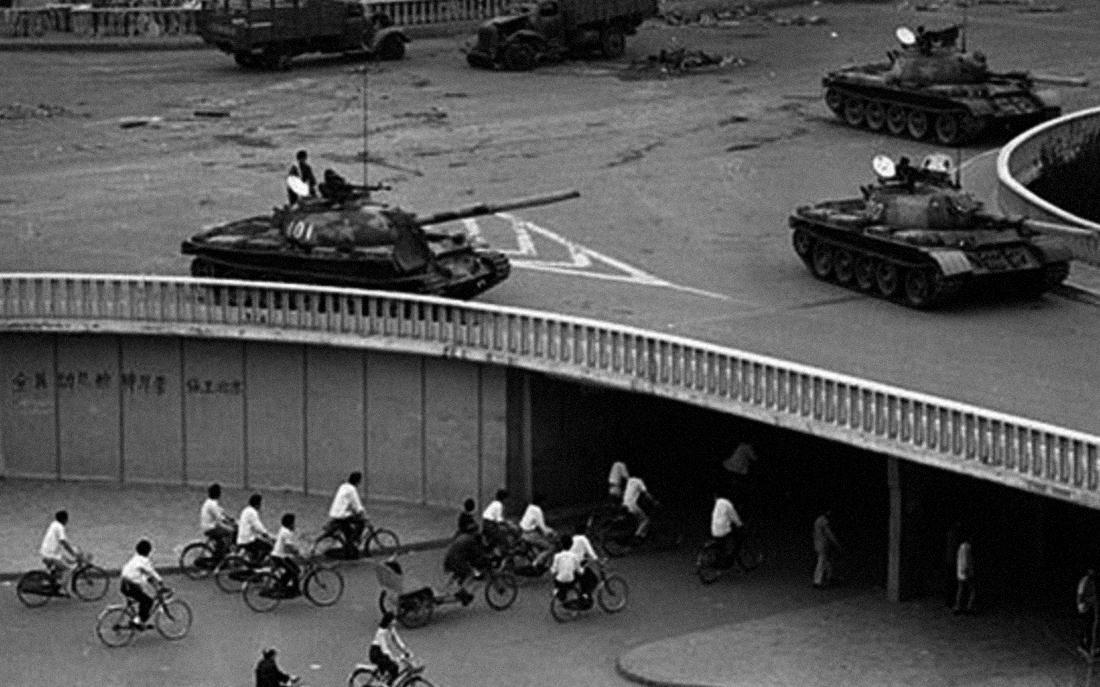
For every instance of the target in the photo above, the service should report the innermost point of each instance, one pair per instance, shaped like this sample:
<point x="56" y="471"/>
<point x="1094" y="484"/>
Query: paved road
<point x="686" y="181"/>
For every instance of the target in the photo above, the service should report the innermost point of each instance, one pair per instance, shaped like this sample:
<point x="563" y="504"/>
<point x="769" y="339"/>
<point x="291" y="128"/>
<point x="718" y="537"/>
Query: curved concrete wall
<point x="222" y="330"/>
<point x="1049" y="151"/>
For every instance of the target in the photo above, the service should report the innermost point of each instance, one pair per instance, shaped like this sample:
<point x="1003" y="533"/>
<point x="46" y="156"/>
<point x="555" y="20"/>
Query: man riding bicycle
<point x="215" y="523"/>
<point x="137" y="579"/>
<point x="726" y="527"/>
<point x="565" y="569"/>
<point x="284" y="553"/>
<point x="55" y="544"/>
<point x="252" y="536"/>
<point x="387" y="648"/>
<point x="632" y="494"/>
<point x="581" y="547"/>
<point x="347" y="514"/>
<point x="533" y="529"/>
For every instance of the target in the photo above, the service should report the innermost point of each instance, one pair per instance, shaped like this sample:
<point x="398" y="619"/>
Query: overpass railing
<point x="1015" y="451"/>
<point x="1023" y="159"/>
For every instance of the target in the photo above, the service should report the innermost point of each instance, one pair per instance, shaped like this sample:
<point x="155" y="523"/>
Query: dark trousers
<point x="135" y="592"/>
<point x="220" y="537"/>
<point x="352" y="528"/>
<point x="289" y="570"/>
<point x="386" y="665"/>
<point x="257" y="549"/>
<point x="964" y="596"/>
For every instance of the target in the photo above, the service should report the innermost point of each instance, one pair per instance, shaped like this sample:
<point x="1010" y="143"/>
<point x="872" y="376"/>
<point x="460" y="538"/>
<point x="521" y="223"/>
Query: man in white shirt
<point x="726" y="528"/>
<point x="283" y="555"/>
<point x="581" y="547"/>
<point x="214" y="522"/>
<point x="564" y="568"/>
<point x="493" y="524"/>
<point x="387" y="648"/>
<point x="137" y="579"/>
<point x="632" y="494"/>
<point x="347" y="513"/>
<point x="616" y="478"/>
<point x="825" y="545"/>
<point x="55" y="544"/>
<point x="252" y="536"/>
<point x="533" y="529"/>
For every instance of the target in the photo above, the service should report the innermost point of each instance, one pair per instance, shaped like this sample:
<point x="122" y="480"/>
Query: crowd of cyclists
<point x="478" y="545"/>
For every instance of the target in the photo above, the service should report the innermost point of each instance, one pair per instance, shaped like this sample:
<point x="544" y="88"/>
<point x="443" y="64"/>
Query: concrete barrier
<point x="1055" y="144"/>
<point x="211" y="353"/>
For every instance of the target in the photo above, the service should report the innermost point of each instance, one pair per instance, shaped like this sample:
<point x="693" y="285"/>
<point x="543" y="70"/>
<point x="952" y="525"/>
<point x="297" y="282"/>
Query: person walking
<point x="826" y="546"/>
<point x="964" y="574"/>
<point x="1087" y="612"/>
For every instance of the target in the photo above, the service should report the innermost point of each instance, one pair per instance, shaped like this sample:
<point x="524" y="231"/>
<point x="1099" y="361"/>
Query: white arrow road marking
<point x="580" y="258"/>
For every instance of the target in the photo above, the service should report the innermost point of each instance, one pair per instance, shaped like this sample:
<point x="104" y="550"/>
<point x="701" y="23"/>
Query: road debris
<point x="212" y="114"/>
<point x="682" y="60"/>
<point x="134" y="122"/>
<point x="41" y="111"/>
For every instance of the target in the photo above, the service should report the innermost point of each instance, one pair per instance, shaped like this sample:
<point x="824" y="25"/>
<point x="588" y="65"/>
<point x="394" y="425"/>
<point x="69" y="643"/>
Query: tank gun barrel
<point x="1045" y="227"/>
<point x="479" y="209"/>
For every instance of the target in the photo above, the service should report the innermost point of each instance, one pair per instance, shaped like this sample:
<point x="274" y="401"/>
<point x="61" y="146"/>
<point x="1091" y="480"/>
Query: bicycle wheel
<point x="560" y="611"/>
<point x="91" y="583"/>
<point x="329" y="546"/>
<point x="197" y="560"/>
<point x="113" y="626"/>
<point x="381" y="541"/>
<point x="173" y="620"/>
<point x="612" y="594"/>
<point x="362" y="677"/>
<point x="35" y="588"/>
<point x="750" y="557"/>
<point x="614" y="545"/>
<point x="706" y="566"/>
<point x="501" y="590"/>
<point x="323" y="586"/>
<point x="417" y="681"/>
<point x="261" y="592"/>
<point x="232" y="573"/>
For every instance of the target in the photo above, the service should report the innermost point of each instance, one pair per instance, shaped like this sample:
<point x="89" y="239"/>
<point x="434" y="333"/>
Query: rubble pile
<point x="41" y="111"/>
<point x="681" y="60"/>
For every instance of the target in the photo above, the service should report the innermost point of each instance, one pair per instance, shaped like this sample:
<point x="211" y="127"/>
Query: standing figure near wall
<point x="826" y="546"/>
<point x="964" y="573"/>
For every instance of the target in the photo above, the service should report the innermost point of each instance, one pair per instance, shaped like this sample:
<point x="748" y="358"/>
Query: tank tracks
<point x="949" y="127"/>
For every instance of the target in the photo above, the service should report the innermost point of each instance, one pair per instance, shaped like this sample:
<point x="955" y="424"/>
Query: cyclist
<point x="283" y="556"/>
<point x="252" y="536"/>
<point x="726" y="528"/>
<point x="55" y="544"/>
<point x="467" y="522"/>
<point x="632" y="493"/>
<point x="533" y="530"/>
<point x="268" y="673"/>
<point x="565" y="568"/>
<point x="215" y="523"/>
<point x="384" y="649"/>
<point x="347" y="513"/>
<point x="615" y="480"/>
<point x="581" y="547"/>
<point x="493" y="523"/>
<point x="137" y="579"/>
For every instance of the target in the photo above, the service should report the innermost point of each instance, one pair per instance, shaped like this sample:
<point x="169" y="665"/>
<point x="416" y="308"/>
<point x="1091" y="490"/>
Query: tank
<point x="346" y="238"/>
<point x="915" y="238"/>
<point x="934" y="88"/>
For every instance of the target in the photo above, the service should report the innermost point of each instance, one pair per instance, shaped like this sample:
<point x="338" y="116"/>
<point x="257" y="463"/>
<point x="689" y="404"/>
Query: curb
<point x="633" y="676"/>
<point x="426" y="545"/>
<point x="1077" y="293"/>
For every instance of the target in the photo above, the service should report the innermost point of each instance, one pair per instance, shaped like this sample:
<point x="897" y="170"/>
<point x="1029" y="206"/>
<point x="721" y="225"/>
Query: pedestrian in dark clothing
<point x="1087" y="611"/>
<point x="467" y="522"/>
<point x="268" y="673"/>
<point x="303" y="171"/>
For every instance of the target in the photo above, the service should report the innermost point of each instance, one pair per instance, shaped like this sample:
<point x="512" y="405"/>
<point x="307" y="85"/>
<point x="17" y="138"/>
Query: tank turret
<point x="916" y="237"/>
<point x="346" y="238"/>
<point x="934" y="87"/>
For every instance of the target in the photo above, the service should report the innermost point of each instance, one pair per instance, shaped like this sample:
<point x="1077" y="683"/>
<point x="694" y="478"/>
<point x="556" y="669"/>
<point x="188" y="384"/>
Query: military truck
<point x="270" y="33"/>
<point x="551" y="30"/>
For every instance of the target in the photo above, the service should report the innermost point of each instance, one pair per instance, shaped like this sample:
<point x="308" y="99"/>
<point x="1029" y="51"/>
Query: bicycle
<point x="366" y="675"/>
<point x="615" y="534"/>
<point x="610" y="594"/>
<point x="321" y="585"/>
<point x="200" y="558"/>
<point x="88" y="582"/>
<point x="711" y="562"/>
<point x="116" y="626"/>
<point x="415" y="609"/>
<point x="236" y="569"/>
<point x="373" y="541"/>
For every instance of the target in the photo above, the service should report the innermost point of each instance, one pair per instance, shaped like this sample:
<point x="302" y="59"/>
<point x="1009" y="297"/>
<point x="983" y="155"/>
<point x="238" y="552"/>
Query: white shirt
<point x="582" y="548"/>
<point x="389" y="642"/>
<point x="286" y="543"/>
<point x="618" y="473"/>
<point x="564" y="567"/>
<point x="494" y="512"/>
<point x="249" y="527"/>
<point x="533" y="520"/>
<point x="634" y="488"/>
<point x="723" y="518"/>
<point x="211" y="514"/>
<point x="138" y="570"/>
<point x="346" y="502"/>
<point x="964" y="562"/>
<point x="51" y="543"/>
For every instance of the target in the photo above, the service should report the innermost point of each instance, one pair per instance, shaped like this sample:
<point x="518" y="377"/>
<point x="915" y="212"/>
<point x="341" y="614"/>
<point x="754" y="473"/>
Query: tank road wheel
<point x="519" y="58"/>
<point x="245" y="60"/>
<point x="612" y="42"/>
<point x="834" y="99"/>
<point x="844" y="266"/>
<point x="803" y="244"/>
<point x="275" y="59"/>
<point x="921" y="287"/>
<point x="392" y="48"/>
<point x="887" y="278"/>
<point x="865" y="273"/>
<point x="874" y="113"/>
<point x="948" y="129"/>
<point x="853" y="112"/>
<point x="201" y="267"/>
<point x="917" y="124"/>
<point x="896" y="120"/>
<point x="823" y="260"/>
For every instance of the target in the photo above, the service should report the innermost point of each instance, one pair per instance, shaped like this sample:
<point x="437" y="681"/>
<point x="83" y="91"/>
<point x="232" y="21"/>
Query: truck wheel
<point x="392" y="48"/>
<point x="519" y="58"/>
<point x="275" y="59"/>
<point x="246" y="60"/>
<point x="612" y="42"/>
